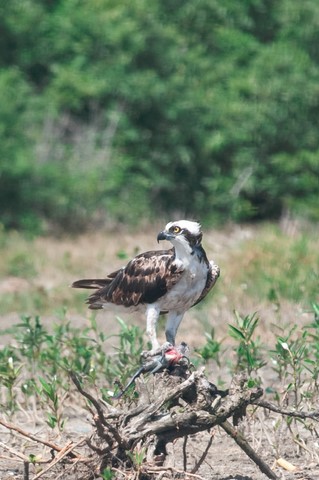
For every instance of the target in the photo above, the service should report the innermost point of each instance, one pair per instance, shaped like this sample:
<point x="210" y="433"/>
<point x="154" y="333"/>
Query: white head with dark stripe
<point x="182" y="234"/>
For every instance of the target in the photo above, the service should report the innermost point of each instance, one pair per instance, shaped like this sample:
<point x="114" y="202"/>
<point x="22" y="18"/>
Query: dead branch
<point x="244" y="445"/>
<point x="196" y="414"/>
<point x="204" y="454"/>
<point x="66" y="470"/>
<point x="67" y="449"/>
<point x="171" y="407"/>
<point x="291" y="413"/>
<point x="15" y="428"/>
<point x="185" y="453"/>
<point x="173" y="470"/>
<point x="168" y="407"/>
<point x="14" y="452"/>
<point x="101" y="420"/>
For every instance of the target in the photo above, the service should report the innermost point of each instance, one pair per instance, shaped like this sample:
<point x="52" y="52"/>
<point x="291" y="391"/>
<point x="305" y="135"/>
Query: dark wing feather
<point x="143" y="280"/>
<point x="212" y="277"/>
<point x="94" y="283"/>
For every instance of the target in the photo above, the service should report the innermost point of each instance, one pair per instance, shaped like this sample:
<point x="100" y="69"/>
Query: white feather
<point x="193" y="227"/>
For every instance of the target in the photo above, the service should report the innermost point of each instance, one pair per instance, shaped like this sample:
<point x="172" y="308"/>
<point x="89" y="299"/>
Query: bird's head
<point x="182" y="232"/>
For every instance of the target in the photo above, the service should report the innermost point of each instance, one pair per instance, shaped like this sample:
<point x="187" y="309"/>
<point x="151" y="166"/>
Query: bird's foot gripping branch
<point x="133" y="434"/>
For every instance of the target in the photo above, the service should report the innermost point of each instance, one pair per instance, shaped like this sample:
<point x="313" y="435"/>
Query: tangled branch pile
<point x="168" y="407"/>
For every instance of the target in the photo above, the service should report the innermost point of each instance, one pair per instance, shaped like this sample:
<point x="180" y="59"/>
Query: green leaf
<point x="236" y="333"/>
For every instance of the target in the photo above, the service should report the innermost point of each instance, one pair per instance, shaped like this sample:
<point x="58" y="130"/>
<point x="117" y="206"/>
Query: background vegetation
<point x="113" y="111"/>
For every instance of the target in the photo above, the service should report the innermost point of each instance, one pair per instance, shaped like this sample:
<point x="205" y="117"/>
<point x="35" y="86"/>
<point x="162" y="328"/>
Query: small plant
<point x="9" y="375"/>
<point x="107" y="474"/>
<point x="41" y="354"/>
<point x="31" y="337"/>
<point x="248" y="356"/>
<point x="49" y="394"/>
<point x="212" y="348"/>
<point x="289" y="361"/>
<point x="312" y="361"/>
<point x="138" y="457"/>
<point x="126" y="359"/>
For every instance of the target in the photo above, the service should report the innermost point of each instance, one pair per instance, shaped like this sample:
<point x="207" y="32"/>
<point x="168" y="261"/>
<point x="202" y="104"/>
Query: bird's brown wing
<point x="95" y="283"/>
<point x="212" y="277"/>
<point x="145" y="279"/>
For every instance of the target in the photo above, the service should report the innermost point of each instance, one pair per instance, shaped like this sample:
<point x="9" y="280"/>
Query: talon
<point x="156" y="351"/>
<point x="151" y="353"/>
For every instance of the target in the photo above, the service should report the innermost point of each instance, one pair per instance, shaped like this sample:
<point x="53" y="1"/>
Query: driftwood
<point x="169" y="406"/>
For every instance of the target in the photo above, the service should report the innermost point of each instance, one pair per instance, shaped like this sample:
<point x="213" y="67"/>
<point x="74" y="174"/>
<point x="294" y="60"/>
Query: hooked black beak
<point x="164" y="236"/>
<point x="161" y="236"/>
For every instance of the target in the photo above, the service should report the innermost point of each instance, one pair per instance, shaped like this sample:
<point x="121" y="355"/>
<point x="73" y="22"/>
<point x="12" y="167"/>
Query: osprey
<point x="162" y="281"/>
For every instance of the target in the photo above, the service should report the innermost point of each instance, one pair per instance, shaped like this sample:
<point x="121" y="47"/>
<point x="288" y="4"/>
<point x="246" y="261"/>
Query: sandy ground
<point x="225" y="460"/>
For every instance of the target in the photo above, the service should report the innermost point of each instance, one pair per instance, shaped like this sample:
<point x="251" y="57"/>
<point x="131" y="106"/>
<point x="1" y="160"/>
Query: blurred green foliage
<point x="118" y="110"/>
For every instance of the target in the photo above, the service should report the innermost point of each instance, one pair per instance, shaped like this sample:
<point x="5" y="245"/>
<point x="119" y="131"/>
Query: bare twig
<point x="19" y="455"/>
<point x="65" y="451"/>
<point x="90" y="397"/>
<point x="99" y="410"/>
<point x="291" y="413"/>
<point x="66" y="470"/>
<point x="26" y="470"/>
<point x="185" y="453"/>
<point x="301" y="445"/>
<point x="173" y="470"/>
<point x="204" y="454"/>
<point x="15" y="452"/>
<point x="51" y="445"/>
<point x="168" y="396"/>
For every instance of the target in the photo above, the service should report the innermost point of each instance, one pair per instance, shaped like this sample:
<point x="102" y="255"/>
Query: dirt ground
<point x="225" y="460"/>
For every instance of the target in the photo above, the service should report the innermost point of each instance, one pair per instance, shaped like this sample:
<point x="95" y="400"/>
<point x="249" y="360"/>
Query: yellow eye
<point x="176" y="229"/>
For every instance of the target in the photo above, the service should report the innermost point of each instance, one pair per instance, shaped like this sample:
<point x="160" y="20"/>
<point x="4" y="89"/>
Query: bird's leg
<point x="172" y="324"/>
<point x="152" y="314"/>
